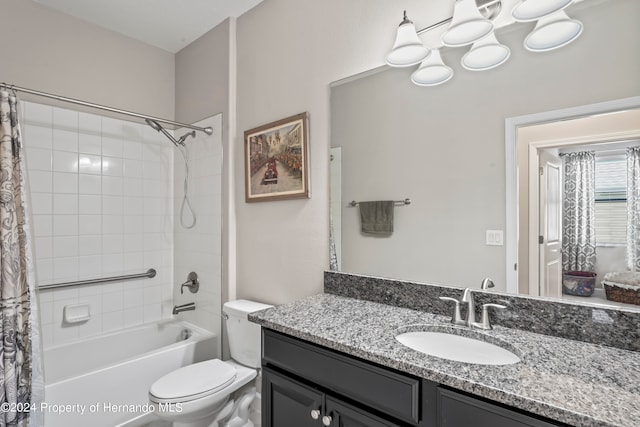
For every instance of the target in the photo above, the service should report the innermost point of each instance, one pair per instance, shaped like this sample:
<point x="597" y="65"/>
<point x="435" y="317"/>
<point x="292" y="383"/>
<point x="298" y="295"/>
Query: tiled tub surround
<point x="102" y="205"/>
<point x="577" y="383"/>
<point x="589" y="323"/>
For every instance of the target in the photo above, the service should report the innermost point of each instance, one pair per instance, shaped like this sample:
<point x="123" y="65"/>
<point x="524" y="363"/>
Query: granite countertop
<point x="570" y="381"/>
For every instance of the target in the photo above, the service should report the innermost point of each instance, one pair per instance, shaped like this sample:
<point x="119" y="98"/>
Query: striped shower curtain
<point x="633" y="208"/>
<point x="21" y="376"/>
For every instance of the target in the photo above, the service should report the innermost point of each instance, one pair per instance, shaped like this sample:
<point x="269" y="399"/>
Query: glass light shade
<point x="553" y="32"/>
<point x="408" y="49"/>
<point x="486" y="54"/>
<point x="467" y="26"/>
<point x="432" y="71"/>
<point x="532" y="10"/>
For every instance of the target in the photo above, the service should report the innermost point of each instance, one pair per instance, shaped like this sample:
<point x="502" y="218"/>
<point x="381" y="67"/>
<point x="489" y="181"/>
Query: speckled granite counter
<point x="573" y="382"/>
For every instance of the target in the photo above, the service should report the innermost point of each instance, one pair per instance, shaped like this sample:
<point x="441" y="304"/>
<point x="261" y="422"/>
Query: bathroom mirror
<point x="443" y="147"/>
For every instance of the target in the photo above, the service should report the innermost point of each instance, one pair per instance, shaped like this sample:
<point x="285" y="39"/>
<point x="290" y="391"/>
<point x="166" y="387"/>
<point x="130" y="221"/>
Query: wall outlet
<point x="495" y="238"/>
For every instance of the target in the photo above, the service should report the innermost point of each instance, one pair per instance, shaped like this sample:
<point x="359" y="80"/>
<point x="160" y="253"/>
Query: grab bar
<point x="150" y="273"/>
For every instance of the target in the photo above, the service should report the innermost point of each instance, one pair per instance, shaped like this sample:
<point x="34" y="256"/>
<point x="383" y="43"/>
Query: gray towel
<point x="377" y="217"/>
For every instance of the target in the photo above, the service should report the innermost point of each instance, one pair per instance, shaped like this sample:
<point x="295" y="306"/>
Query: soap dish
<point x="76" y="313"/>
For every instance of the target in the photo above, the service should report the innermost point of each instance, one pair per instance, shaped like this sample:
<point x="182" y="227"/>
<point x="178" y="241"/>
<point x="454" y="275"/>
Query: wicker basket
<point x="622" y="287"/>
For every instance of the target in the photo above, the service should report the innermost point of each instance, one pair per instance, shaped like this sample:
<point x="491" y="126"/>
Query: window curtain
<point x="21" y="375"/>
<point x="633" y="208"/>
<point x="579" y="237"/>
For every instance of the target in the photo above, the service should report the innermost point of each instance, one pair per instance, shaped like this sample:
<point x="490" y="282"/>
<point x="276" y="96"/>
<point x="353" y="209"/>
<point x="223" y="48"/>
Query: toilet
<point x="200" y="395"/>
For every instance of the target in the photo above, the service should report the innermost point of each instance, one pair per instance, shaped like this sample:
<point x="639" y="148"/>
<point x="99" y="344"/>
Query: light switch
<point x="495" y="238"/>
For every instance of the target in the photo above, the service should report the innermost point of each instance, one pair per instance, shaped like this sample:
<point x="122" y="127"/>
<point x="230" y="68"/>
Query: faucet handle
<point x="486" y="322"/>
<point x="457" y="318"/>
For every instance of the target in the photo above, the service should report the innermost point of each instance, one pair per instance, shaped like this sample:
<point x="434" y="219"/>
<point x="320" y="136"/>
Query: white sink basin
<point x="458" y="348"/>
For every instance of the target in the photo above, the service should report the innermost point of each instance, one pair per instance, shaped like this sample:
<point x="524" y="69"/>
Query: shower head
<point x="177" y="142"/>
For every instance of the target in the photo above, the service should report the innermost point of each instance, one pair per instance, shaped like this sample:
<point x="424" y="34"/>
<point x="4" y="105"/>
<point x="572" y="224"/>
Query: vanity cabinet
<point x="309" y="385"/>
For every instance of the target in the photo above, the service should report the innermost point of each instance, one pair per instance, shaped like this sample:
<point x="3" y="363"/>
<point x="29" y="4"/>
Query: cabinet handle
<point x="315" y="414"/>
<point x="326" y="420"/>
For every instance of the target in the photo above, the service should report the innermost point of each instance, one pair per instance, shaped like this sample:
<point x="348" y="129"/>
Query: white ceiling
<point x="167" y="24"/>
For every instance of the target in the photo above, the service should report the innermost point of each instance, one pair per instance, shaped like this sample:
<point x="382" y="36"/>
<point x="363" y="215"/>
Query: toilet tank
<point x="243" y="335"/>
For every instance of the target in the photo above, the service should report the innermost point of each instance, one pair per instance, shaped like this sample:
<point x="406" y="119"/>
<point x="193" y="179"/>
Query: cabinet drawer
<point x="382" y="389"/>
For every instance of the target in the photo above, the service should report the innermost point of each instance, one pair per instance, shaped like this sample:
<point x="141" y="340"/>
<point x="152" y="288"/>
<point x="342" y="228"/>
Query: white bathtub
<point x="104" y="381"/>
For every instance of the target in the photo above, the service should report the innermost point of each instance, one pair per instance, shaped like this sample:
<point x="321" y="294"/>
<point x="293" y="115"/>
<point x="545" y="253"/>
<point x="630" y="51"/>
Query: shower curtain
<point x="578" y="218"/>
<point x="21" y="375"/>
<point x="633" y="208"/>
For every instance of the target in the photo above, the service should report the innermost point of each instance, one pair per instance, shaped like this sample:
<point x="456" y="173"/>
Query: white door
<point x="550" y="224"/>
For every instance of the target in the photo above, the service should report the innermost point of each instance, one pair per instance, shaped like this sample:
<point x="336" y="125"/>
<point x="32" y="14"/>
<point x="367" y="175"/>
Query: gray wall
<point x="52" y="52"/>
<point x="443" y="147"/>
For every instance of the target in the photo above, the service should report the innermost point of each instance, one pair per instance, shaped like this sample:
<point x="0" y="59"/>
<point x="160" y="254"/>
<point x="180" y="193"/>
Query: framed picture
<point x="276" y="160"/>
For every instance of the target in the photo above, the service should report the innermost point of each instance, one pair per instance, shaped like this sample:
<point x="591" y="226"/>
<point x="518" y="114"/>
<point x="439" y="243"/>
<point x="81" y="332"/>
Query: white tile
<point x="39" y="159"/>
<point x="47" y="336"/>
<point x="90" y="245"/>
<point x="112" y="302"/>
<point x="112" y="243"/>
<point x="41" y="203"/>
<point x="112" y="186"/>
<point x="91" y="327"/>
<point x="132" y="150"/>
<point x="65" y="118"/>
<point x="65" y="225"/>
<point x="38" y="113"/>
<point x="133" y="223"/>
<point x="133" y="261"/>
<point x="159" y="189"/>
<point x="112" y="263"/>
<point x="133" y="298"/>
<point x="90" y="204"/>
<point x="65" y="268"/>
<point x="112" y="205"/>
<point x="133" y="242"/>
<point x="65" y="246"/>
<point x="153" y="223"/>
<point x="94" y="301"/>
<point x="89" y="184"/>
<point x="90" y="123"/>
<point x="65" y="294"/>
<point x="153" y="170"/>
<point x="40" y="181"/>
<point x="65" y="140"/>
<point x="38" y="136"/>
<point x="90" y="164"/>
<point x="132" y="131"/>
<point x="152" y="313"/>
<point x="111" y="147"/>
<point x="133" y="187"/>
<point x="133" y="317"/>
<point x="89" y="143"/>
<point x="64" y="334"/>
<point x="152" y="295"/>
<point x="44" y="271"/>
<point x="65" y="204"/>
<point x="64" y="161"/>
<point x="155" y="206"/>
<point x="112" y="128"/>
<point x="46" y="312"/>
<point x="132" y="168"/>
<point x="90" y="224"/>
<point x="112" y="224"/>
<point x="89" y="267"/>
<point x="112" y="321"/>
<point x="65" y="182"/>
<point x="112" y="166"/>
<point x="42" y="225"/>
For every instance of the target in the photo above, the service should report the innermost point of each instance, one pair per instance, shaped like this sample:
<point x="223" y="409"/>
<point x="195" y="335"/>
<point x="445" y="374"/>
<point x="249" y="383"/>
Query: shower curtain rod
<point x="207" y="130"/>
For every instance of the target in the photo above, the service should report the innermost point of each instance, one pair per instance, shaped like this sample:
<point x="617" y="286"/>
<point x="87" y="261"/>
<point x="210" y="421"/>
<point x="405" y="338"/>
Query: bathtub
<point x="104" y="381"/>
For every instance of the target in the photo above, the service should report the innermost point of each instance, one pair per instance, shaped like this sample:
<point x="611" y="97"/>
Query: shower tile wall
<point x="102" y="205"/>
<point x="199" y="248"/>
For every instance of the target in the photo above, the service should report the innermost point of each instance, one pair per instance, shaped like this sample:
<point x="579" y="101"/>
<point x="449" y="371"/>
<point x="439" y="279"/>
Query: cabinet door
<point x="345" y="415"/>
<point x="460" y="410"/>
<point x="288" y="403"/>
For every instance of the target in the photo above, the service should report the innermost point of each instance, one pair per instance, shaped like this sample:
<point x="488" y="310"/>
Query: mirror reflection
<point x="474" y="191"/>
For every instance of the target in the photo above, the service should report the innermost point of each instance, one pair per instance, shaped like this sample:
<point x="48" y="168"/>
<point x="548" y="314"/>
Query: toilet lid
<point x="194" y="381"/>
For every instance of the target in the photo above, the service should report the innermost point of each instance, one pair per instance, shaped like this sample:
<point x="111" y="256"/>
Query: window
<point x="611" y="200"/>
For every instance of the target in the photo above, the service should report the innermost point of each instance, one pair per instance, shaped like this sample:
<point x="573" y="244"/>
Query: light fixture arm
<point x="488" y="8"/>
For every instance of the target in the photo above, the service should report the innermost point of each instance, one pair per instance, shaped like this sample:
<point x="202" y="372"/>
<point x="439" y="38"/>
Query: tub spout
<point x="184" y="307"/>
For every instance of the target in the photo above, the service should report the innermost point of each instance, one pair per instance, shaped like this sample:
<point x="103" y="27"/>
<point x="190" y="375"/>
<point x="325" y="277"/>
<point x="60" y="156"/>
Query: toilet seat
<point x="193" y="382"/>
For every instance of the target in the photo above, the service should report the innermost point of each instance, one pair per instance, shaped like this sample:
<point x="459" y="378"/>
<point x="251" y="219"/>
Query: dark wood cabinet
<point x="308" y="385"/>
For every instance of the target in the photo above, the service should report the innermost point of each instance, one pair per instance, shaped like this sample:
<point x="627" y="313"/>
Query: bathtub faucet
<point x="184" y="307"/>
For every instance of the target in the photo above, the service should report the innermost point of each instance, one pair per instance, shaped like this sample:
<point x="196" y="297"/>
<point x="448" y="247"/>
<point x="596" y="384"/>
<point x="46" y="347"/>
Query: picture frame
<point x="276" y="160"/>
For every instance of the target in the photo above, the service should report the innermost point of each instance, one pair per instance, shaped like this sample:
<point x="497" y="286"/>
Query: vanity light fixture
<point x="486" y="54"/>
<point x="553" y="32"/>
<point x="432" y="71"/>
<point x="467" y="25"/>
<point x="471" y="24"/>
<point x="408" y="49"/>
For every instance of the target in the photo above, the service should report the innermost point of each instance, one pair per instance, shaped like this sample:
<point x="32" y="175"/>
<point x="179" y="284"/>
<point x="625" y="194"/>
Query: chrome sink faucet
<point x="468" y="298"/>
